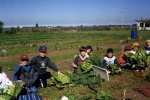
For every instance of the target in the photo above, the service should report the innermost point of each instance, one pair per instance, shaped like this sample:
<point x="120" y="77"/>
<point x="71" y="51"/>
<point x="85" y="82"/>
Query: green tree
<point x="1" y="26"/>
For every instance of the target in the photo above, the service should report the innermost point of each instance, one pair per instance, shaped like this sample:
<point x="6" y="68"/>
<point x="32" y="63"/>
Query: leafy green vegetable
<point x="140" y="58"/>
<point x="86" y="66"/>
<point x="72" y="97"/>
<point x="11" y="93"/>
<point x="18" y="88"/>
<point x="113" y="68"/>
<point x="148" y="77"/>
<point x="6" y="96"/>
<point x="104" y="96"/>
<point x="62" y="79"/>
<point x="96" y="60"/>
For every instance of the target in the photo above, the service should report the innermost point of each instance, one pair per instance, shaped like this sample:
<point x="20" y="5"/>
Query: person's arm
<point x="32" y="62"/>
<point x="75" y="62"/>
<point x="116" y="62"/>
<point x="16" y="71"/>
<point x="104" y="63"/>
<point x="52" y="65"/>
<point x="122" y="59"/>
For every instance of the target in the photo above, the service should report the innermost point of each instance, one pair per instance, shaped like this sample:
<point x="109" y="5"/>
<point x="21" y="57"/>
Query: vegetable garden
<point x="62" y="46"/>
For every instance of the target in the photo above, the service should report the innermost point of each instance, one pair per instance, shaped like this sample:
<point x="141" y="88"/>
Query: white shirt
<point x="110" y="60"/>
<point x="4" y="80"/>
<point x="132" y="51"/>
<point x="87" y="56"/>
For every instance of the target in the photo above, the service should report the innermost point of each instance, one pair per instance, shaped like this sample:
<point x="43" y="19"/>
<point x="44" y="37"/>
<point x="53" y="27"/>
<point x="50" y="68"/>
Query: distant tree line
<point x="37" y="28"/>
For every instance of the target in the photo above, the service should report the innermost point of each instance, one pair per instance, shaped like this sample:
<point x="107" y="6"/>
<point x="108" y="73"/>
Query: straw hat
<point x="147" y="41"/>
<point x="135" y="45"/>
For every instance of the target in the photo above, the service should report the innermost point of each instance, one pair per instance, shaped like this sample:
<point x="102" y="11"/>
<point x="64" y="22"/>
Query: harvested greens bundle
<point x="62" y="79"/>
<point x="85" y="75"/>
<point x="140" y="58"/>
<point x="11" y="93"/>
<point x="113" y="68"/>
<point x="96" y="60"/>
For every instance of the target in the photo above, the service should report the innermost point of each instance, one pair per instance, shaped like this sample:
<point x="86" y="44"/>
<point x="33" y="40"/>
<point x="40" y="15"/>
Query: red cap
<point x="24" y="57"/>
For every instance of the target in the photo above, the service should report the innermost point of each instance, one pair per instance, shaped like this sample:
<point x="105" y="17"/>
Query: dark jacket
<point x="18" y="70"/>
<point x="41" y="63"/>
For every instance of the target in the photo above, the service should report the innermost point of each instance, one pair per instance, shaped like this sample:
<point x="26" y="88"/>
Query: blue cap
<point x="43" y="49"/>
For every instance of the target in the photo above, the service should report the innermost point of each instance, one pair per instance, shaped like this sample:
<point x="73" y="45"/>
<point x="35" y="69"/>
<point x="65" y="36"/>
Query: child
<point x="109" y="60"/>
<point x="22" y="73"/>
<point x="123" y="60"/>
<point x="4" y="80"/>
<point x="80" y="58"/>
<point x="147" y="47"/>
<point x="89" y="51"/>
<point x="23" y="67"/>
<point x="41" y="62"/>
<point x="134" y="48"/>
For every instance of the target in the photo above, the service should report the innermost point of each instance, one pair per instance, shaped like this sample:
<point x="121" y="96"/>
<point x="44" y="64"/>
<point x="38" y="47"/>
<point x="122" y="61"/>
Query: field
<point x="62" y="46"/>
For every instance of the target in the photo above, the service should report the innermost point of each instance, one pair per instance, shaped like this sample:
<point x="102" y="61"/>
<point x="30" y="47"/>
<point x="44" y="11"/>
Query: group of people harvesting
<point x="34" y="73"/>
<point x="109" y="58"/>
<point x="30" y="74"/>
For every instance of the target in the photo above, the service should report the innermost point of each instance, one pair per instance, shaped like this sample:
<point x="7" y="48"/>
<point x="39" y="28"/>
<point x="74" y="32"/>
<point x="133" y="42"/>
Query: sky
<point x="72" y="12"/>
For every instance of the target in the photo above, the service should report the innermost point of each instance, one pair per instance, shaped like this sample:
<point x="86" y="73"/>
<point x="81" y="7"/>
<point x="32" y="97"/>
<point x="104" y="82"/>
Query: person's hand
<point x="23" y="83"/>
<point x="19" y="80"/>
<point x="59" y="72"/>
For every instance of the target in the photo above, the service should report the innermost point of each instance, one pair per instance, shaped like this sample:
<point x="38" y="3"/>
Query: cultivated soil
<point x="127" y="83"/>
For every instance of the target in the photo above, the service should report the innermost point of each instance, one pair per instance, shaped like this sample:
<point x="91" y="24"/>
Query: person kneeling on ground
<point x="124" y="60"/>
<point x="79" y="58"/>
<point x="40" y="64"/>
<point x="110" y="62"/>
<point x="25" y="74"/>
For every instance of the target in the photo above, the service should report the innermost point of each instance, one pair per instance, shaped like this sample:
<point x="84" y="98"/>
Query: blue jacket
<point x="18" y="70"/>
